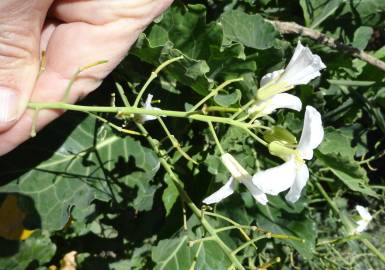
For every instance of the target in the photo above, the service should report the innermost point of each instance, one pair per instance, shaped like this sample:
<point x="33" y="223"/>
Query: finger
<point x="73" y="45"/>
<point x="107" y="11"/>
<point x="20" y="26"/>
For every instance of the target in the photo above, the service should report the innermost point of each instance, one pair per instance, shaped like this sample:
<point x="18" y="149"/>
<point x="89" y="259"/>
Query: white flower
<point x="294" y="173"/>
<point x="238" y="173"/>
<point x="366" y="217"/>
<point x="303" y="67"/>
<point x="141" y="118"/>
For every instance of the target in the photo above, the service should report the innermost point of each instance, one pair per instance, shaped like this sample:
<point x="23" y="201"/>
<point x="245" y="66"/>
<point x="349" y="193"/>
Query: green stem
<point x="239" y="226"/>
<point x="122" y="95"/>
<point x="327" y="198"/>
<point x="211" y="127"/>
<point x="214" y="93"/>
<point x="192" y="267"/>
<point x="255" y="137"/>
<point x="243" y="108"/>
<point x="153" y="75"/>
<point x="219" y="109"/>
<point x="232" y="227"/>
<point x="132" y="110"/>
<point x="250" y="242"/>
<point x="193" y="242"/>
<point x="75" y="76"/>
<point x="373" y="249"/>
<point x="117" y="128"/>
<point x="175" y="142"/>
<point x="178" y="183"/>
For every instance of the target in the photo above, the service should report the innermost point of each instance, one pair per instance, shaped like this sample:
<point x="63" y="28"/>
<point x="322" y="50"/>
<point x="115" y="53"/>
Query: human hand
<point x="73" y="33"/>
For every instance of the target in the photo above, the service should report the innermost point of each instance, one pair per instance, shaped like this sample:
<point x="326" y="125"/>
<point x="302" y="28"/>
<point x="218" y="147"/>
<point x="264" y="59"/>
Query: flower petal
<point x="236" y="169"/>
<point x="270" y="76"/>
<point x="364" y="213"/>
<point x="141" y="118"/>
<point x="147" y="104"/>
<point x="221" y="193"/>
<point x="312" y="133"/>
<point x="258" y="195"/>
<point x="303" y="66"/>
<point x="278" y="101"/>
<point x="284" y="100"/>
<point x="275" y="180"/>
<point x="362" y="225"/>
<point x="299" y="183"/>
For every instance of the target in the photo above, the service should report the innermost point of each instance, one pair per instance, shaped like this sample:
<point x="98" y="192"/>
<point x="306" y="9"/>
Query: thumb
<point x="20" y="27"/>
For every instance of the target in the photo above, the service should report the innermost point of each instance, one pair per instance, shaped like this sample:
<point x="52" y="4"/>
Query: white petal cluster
<point x="302" y="68"/>
<point x="366" y="217"/>
<point x="294" y="173"/>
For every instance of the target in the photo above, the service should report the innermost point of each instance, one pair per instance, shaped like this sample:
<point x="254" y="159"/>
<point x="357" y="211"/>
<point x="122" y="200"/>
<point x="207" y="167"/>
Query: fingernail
<point x="8" y="104"/>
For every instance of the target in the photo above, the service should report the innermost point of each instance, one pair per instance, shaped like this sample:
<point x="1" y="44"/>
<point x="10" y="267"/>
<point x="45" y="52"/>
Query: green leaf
<point x="184" y="31"/>
<point x="72" y="174"/>
<point x="249" y="30"/>
<point x="335" y="142"/>
<point x="368" y="12"/>
<point x="188" y="71"/>
<point x="380" y="97"/>
<point x="281" y="218"/>
<point x="317" y="11"/>
<point x="348" y="171"/>
<point x="175" y="254"/>
<point x="226" y="100"/>
<point x="38" y="249"/>
<point x="172" y="254"/>
<point x="138" y="260"/>
<point x="170" y="194"/>
<point x="361" y="37"/>
<point x="144" y="198"/>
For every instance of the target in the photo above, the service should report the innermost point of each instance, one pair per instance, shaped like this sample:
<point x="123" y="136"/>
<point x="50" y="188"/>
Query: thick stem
<point x="132" y="110"/>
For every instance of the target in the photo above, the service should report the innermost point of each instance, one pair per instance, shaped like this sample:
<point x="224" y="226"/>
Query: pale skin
<point x="73" y="33"/>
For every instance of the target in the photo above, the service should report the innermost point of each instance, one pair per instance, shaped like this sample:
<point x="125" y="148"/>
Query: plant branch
<point x="75" y="76"/>
<point x="153" y="75"/>
<point x="214" y="92"/>
<point x="121" y="111"/>
<point x="294" y="28"/>
<point x="213" y="133"/>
